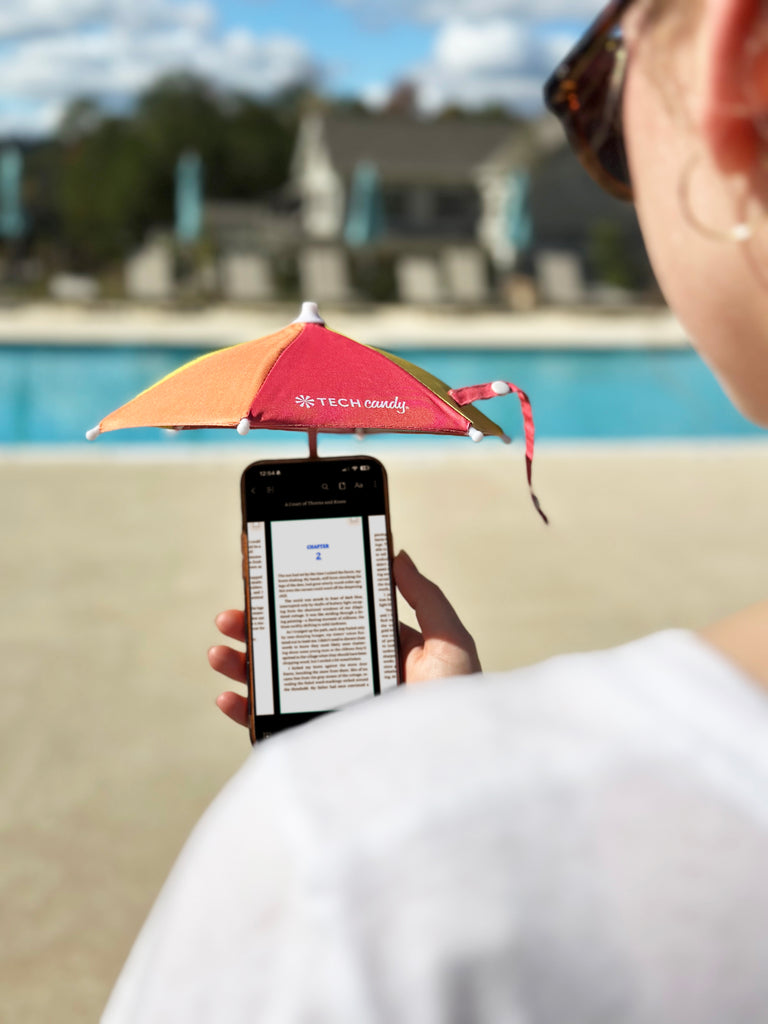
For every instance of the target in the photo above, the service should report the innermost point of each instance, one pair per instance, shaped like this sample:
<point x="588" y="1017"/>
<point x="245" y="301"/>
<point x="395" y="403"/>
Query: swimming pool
<point x="51" y="393"/>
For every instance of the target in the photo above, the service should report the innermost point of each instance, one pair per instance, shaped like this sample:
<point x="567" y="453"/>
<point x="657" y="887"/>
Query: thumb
<point x="434" y="612"/>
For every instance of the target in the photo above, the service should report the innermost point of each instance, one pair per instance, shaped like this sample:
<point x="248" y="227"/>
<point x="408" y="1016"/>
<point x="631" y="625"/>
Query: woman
<point x="695" y="117"/>
<point x="584" y="840"/>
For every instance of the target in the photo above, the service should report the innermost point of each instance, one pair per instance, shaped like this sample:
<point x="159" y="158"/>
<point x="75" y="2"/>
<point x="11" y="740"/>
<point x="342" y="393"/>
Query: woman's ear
<point x="735" y="81"/>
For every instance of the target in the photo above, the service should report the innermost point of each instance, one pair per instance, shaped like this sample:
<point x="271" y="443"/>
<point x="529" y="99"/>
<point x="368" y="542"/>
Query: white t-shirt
<point x="580" y="842"/>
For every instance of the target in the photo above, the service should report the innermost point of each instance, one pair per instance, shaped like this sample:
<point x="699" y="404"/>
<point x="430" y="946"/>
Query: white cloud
<point x="485" y="51"/>
<point x="54" y="50"/>
<point x="46" y="16"/>
<point x="41" y="17"/>
<point x="438" y="11"/>
<point x="114" y="62"/>
<point x="465" y="47"/>
<point x="375" y="95"/>
<point x="484" y="61"/>
<point x="29" y="119"/>
<point x="114" y="49"/>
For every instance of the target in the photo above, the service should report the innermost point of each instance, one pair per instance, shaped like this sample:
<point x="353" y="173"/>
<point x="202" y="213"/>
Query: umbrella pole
<point x="312" y="434"/>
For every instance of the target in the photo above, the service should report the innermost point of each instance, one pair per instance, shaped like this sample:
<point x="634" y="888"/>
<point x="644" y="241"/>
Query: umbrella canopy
<point x="309" y="378"/>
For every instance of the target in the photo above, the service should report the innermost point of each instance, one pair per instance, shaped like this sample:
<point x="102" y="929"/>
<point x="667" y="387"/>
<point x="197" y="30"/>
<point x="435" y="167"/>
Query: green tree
<point x="82" y="117"/>
<point x="245" y="147"/>
<point x="104" y="184"/>
<point x="611" y="254"/>
<point x="107" y="180"/>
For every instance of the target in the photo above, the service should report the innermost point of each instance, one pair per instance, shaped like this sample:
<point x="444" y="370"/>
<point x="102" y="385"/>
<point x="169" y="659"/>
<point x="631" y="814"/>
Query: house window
<point x="456" y="211"/>
<point x="450" y="205"/>
<point x="429" y="211"/>
<point x="395" y="209"/>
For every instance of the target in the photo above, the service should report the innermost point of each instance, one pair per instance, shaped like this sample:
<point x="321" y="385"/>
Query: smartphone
<point x="319" y="596"/>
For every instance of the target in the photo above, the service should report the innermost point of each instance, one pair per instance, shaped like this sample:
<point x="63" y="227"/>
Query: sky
<point x="469" y="52"/>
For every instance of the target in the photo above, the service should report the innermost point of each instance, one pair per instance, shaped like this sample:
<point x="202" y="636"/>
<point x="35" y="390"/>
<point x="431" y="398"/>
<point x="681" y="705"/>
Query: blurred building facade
<point x="462" y="210"/>
<point x="465" y="210"/>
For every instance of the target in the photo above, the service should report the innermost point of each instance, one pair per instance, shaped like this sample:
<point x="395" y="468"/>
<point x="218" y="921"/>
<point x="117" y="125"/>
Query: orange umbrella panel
<point x="215" y="390"/>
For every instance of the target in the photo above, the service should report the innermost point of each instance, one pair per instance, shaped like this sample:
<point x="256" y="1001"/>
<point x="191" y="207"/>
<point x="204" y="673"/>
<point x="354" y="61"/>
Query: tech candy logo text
<point x="309" y="401"/>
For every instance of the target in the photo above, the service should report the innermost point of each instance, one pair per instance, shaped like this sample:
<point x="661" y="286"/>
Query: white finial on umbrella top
<point x="309" y="314"/>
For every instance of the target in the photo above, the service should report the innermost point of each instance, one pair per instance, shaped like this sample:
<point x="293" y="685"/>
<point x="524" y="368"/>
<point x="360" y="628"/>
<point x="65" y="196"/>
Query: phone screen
<point x="319" y="596"/>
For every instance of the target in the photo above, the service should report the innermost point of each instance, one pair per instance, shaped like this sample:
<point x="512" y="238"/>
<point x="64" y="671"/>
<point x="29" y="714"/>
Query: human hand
<point x="444" y="647"/>
<point x="231" y="663"/>
<point x="441" y="646"/>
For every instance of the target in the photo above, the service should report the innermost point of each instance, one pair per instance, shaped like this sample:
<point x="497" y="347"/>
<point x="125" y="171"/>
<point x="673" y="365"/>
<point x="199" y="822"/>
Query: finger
<point x="234" y="706"/>
<point x="228" y="662"/>
<point x="434" y="612"/>
<point x="232" y="624"/>
<point x="410" y="640"/>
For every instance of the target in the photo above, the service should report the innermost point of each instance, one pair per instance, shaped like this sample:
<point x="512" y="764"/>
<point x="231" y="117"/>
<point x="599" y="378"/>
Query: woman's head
<point x="695" y="127"/>
<point x="694" y="117"/>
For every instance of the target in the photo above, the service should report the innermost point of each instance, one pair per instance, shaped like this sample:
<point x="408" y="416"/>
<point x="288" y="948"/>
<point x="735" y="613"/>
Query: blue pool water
<point x="53" y="393"/>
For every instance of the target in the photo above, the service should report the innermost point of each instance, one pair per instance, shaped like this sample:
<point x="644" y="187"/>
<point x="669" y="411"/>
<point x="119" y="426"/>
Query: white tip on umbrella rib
<point x="309" y="314"/>
<point x="243" y="426"/>
<point x="92" y="434"/>
<point x="500" y="387"/>
<point x="475" y="434"/>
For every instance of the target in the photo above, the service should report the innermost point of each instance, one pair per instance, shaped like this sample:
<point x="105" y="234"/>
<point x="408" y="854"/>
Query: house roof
<point x="406" y="148"/>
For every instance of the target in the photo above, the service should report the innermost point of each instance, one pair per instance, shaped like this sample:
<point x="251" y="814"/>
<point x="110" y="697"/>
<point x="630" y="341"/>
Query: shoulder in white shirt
<point x="585" y="840"/>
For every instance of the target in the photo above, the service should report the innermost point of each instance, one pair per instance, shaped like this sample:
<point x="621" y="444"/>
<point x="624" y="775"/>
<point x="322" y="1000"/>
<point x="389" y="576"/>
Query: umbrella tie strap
<point x="466" y="396"/>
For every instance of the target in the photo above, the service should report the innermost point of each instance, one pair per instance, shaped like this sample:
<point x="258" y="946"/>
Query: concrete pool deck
<point x="389" y="325"/>
<point x="113" y="570"/>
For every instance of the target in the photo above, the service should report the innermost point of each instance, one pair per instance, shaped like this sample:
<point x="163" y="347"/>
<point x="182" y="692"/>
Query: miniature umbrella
<point x="306" y="377"/>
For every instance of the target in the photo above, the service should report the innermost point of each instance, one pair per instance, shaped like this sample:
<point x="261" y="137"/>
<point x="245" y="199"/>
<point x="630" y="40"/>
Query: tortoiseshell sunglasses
<point x="585" y="93"/>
